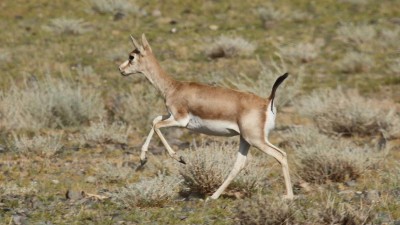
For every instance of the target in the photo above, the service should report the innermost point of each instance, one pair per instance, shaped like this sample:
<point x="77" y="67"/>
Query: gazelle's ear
<point x="145" y="43"/>
<point x="136" y="44"/>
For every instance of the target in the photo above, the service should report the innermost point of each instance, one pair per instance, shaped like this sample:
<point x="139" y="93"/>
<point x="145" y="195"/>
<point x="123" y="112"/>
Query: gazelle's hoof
<point x="143" y="161"/>
<point x="288" y="197"/>
<point x="181" y="160"/>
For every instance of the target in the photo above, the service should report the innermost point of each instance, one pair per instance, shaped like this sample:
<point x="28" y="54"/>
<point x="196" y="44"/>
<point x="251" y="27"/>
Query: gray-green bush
<point x="49" y="103"/>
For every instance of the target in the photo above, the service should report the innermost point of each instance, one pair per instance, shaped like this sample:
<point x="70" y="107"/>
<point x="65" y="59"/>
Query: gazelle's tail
<point x="276" y="85"/>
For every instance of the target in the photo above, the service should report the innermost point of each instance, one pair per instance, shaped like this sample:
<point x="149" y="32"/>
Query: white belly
<point x="212" y="127"/>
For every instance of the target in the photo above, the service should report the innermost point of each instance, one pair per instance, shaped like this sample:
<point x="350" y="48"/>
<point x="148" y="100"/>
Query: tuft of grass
<point x="112" y="173"/>
<point x="335" y="211"/>
<point x="269" y="16"/>
<point x="302" y="52"/>
<point x="229" y="47"/>
<point x="356" y="34"/>
<point x="394" y="67"/>
<point x="11" y="189"/>
<point x="321" y="159"/>
<point x="320" y="210"/>
<point x="136" y="108"/>
<point x="41" y="145"/>
<point x="5" y="56"/>
<point x="114" y="6"/>
<point x="348" y="113"/>
<point x="208" y="166"/>
<point x="154" y="192"/>
<point x="263" y="210"/>
<point x="354" y="62"/>
<point x="101" y="132"/>
<point x="68" y="26"/>
<point x="49" y="104"/>
<point x="263" y="83"/>
<point x="355" y="2"/>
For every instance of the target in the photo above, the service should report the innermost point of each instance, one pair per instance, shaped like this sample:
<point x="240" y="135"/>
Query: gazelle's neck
<point x="158" y="77"/>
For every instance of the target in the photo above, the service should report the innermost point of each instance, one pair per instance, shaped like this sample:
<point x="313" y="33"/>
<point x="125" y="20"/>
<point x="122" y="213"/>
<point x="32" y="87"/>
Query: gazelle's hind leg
<point x="281" y="157"/>
<point x="239" y="165"/>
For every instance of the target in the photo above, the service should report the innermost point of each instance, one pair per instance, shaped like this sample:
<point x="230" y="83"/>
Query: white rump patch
<point x="270" y="122"/>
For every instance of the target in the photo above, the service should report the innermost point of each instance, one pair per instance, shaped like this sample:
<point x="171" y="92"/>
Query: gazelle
<point x="210" y="110"/>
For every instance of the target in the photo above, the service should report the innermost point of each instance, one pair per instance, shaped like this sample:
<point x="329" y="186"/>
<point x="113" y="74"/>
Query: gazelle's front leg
<point x="170" y="122"/>
<point x="145" y="147"/>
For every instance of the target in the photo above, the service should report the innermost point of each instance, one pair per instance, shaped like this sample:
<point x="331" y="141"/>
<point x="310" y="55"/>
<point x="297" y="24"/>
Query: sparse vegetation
<point x="208" y="166"/>
<point x="229" y="47"/>
<point x="101" y="132"/>
<point x="321" y="159"/>
<point x="356" y="34"/>
<point x="269" y="16"/>
<point x="114" y="6"/>
<point x="49" y="104"/>
<point x="72" y="127"/>
<point x="68" y="26"/>
<point x="41" y="145"/>
<point x="149" y="193"/>
<point x="354" y="62"/>
<point x="302" y="52"/>
<point x="348" y="113"/>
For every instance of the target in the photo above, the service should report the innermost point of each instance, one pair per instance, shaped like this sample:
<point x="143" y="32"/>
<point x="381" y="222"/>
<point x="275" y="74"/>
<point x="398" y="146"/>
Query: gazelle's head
<point x="139" y="59"/>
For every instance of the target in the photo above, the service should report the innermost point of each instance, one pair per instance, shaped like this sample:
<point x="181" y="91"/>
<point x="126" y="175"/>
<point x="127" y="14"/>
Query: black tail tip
<point x="284" y="76"/>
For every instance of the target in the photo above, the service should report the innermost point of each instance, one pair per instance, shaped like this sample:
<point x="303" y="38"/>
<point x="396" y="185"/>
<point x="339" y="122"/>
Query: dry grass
<point x="11" y="189"/>
<point x="395" y="66"/>
<point x="270" y="16"/>
<point x="68" y="26"/>
<point x="112" y="173"/>
<point x="321" y="210"/>
<point x="321" y="159"/>
<point x="42" y="145"/>
<point x="137" y="108"/>
<point x="114" y="6"/>
<point x="209" y="165"/>
<point x="262" y="85"/>
<point x="356" y="34"/>
<point x="354" y="62"/>
<point x="49" y="103"/>
<point x="302" y="52"/>
<point x="262" y="210"/>
<point x="348" y="113"/>
<point x="230" y="47"/>
<point x="154" y="192"/>
<point x="101" y="132"/>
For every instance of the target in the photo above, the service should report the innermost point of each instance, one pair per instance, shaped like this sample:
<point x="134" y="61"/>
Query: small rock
<point x="347" y="194"/>
<point x="305" y="186"/>
<point x="213" y="27"/>
<point x="73" y="195"/>
<point x="156" y="13"/>
<point x="118" y="16"/>
<point x="351" y="183"/>
<point x="373" y="195"/>
<point x="91" y="179"/>
<point x="55" y="181"/>
<point x="174" y="30"/>
<point x="19" y="219"/>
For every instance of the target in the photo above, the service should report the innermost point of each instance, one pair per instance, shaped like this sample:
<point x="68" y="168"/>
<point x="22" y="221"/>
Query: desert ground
<point x="72" y="127"/>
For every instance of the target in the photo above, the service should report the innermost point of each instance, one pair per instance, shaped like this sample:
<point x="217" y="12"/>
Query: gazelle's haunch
<point x="209" y="110"/>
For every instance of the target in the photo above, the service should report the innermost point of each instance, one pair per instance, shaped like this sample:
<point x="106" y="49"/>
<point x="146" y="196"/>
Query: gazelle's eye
<point x="131" y="57"/>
